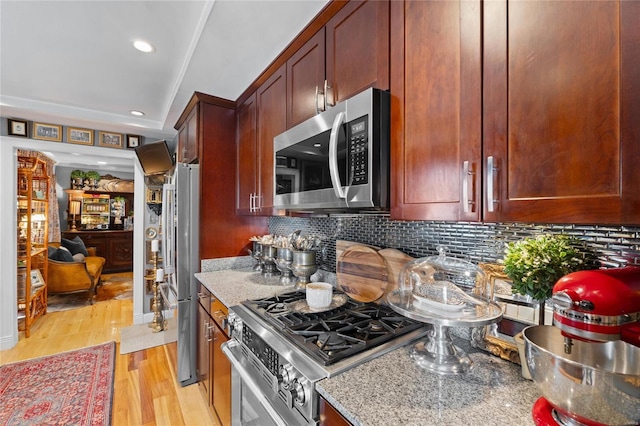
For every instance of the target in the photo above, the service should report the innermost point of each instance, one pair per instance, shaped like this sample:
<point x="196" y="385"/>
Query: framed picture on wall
<point x="80" y="136"/>
<point x="133" y="141"/>
<point x="47" y="132"/>
<point x="110" y="140"/>
<point x="17" y="128"/>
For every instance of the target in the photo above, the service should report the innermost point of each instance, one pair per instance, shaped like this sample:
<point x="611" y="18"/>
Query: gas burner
<point x="333" y="342"/>
<point x="276" y="308"/>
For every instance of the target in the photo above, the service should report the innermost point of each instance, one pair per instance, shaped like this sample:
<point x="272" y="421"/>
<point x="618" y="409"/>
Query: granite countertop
<point x="393" y="390"/>
<point x="233" y="286"/>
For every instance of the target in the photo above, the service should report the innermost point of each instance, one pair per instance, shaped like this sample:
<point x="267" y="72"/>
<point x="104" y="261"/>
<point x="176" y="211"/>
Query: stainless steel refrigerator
<point x="181" y="259"/>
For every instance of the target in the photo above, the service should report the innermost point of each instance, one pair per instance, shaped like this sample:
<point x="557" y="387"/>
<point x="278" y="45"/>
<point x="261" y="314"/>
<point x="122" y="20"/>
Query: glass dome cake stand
<point x="438" y="353"/>
<point x="430" y="290"/>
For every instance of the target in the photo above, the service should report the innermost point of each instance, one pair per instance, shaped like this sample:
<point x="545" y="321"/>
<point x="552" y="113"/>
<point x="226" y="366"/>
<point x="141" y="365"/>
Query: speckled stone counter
<point x="233" y="286"/>
<point x="393" y="390"/>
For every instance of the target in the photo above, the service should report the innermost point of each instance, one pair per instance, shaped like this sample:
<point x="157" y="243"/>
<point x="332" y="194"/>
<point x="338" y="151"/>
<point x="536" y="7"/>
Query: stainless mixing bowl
<point x="596" y="381"/>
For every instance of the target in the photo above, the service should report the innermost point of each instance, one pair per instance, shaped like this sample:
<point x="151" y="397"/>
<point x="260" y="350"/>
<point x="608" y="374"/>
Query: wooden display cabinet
<point x="33" y="237"/>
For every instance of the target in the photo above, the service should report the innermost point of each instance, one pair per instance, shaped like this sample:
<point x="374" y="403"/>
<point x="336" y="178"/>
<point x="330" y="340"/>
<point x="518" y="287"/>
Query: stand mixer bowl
<point x="596" y="382"/>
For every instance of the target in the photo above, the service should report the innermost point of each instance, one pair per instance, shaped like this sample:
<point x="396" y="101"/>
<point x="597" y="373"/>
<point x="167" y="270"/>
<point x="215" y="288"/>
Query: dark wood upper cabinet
<point x="547" y="125"/>
<point x="261" y="117"/>
<point x="357" y="49"/>
<point x="188" y="145"/>
<point x="223" y="233"/>
<point x="436" y="110"/>
<point x="271" y="120"/>
<point x="305" y="78"/>
<point x="561" y="86"/>
<point x="349" y="54"/>
<point x="247" y="161"/>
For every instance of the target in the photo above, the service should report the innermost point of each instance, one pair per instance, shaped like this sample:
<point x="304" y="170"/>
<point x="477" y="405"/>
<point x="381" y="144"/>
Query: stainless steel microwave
<point x="338" y="159"/>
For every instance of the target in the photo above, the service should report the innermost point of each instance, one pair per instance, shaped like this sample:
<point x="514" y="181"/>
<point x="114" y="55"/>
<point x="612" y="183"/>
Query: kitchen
<point x="439" y="199"/>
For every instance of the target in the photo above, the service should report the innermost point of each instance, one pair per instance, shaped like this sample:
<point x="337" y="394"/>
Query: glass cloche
<point x="442" y="285"/>
<point x="441" y="291"/>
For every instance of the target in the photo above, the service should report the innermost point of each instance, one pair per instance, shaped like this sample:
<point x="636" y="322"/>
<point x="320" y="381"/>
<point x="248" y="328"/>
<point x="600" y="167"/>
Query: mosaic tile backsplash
<point x="614" y="246"/>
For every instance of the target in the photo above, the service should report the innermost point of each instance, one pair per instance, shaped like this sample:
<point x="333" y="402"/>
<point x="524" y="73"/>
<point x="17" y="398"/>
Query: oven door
<point x="251" y="405"/>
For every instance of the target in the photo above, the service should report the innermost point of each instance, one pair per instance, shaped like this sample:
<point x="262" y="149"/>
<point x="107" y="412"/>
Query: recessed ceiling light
<point x="136" y="113"/>
<point x="317" y="145"/>
<point x="143" y="46"/>
<point x="101" y="162"/>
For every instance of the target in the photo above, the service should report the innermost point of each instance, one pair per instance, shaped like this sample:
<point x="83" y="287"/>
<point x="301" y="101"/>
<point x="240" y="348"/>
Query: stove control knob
<point x="297" y="392"/>
<point x="284" y="376"/>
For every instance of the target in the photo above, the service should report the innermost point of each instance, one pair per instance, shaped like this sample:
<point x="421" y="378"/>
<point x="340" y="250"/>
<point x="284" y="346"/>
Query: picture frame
<point x="133" y="141"/>
<point x="36" y="278"/>
<point x="47" y="132"/>
<point x="110" y="139"/>
<point x="79" y="136"/>
<point x="518" y="312"/>
<point x="17" y="127"/>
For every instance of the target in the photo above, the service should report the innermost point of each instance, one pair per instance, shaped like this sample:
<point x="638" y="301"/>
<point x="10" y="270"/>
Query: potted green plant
<point x="92" y="177"/>
<point x="535" y="264"/>
<point x="77" y="179"/>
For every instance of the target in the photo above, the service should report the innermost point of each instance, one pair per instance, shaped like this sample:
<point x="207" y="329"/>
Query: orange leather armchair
<point x="76" y="277"/>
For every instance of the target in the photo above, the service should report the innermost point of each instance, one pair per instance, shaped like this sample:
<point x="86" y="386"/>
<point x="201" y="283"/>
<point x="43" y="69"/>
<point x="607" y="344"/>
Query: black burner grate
<point x="336" y="334"/>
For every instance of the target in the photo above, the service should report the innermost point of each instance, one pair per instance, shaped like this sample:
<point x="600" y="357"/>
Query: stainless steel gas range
<point x="279" y="349"/>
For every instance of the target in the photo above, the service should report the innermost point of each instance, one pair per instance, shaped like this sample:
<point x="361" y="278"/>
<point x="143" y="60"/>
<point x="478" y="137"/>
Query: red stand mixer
<point x="587" y="364"/>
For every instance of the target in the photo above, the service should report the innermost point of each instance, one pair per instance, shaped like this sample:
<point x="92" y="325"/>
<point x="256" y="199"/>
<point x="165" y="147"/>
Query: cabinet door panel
<point x="436" y="110"/>
<point x="554" y="97"/>
<point x="221" y="379"/>
<point x="271" y="121"/>
<point x="358" y="48"/>
<point x="305" y="73"/>
<point x="247" y="154"/>
<point x="203" y="363"/>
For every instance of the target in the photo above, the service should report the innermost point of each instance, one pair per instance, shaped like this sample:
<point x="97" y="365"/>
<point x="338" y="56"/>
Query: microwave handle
<point x="333" y="156"/>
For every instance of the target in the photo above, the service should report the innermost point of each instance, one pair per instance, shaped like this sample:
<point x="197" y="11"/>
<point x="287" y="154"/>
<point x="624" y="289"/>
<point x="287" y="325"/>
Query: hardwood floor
<point x="145" y="388"/>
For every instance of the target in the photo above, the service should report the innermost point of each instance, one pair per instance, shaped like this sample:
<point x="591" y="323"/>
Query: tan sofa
<point x="76" y="277"/>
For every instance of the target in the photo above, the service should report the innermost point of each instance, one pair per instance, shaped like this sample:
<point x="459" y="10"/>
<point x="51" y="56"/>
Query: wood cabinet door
<point x="357" y="50"/>
<point x="120" y="252"/>
<point x="271" y="120"/>
<point x="188" y="138"/>
<point x="329" y="416"/>
<point x="305" y="75"/>
<point x="247" y="167"/>
<point x="561" y="110"/>
<point x="203" y="357"/>
<point x="436" y="110"/>
<point x="221" y="379"/>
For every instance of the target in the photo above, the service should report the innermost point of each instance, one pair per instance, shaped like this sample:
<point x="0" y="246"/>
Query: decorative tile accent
<point x="614" y="246"/>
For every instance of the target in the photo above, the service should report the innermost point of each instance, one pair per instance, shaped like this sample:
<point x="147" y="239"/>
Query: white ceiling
<point x="72" y="62"/>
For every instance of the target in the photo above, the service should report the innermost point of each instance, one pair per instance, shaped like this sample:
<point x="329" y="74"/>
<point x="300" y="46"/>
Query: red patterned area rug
<point x="70" y="388"/>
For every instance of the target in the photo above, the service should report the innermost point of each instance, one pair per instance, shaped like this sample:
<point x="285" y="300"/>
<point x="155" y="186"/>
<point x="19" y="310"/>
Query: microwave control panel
<point x="358" y="139"/>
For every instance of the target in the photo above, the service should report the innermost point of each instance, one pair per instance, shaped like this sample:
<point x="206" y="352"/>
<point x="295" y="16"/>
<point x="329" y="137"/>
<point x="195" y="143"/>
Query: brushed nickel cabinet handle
<point x="318" y="110"/>
<point x="491" y="172"/>
<point x="328" y="88"/>
<point x="467" y="202"/>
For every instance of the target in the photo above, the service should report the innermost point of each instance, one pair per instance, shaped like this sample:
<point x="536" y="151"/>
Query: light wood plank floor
<point x="145" y="389"/>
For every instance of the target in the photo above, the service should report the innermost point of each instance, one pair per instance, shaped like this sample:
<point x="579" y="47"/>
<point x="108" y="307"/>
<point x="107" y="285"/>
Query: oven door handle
<point x="227" y="349"/>
<point x="333" y="156"/>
